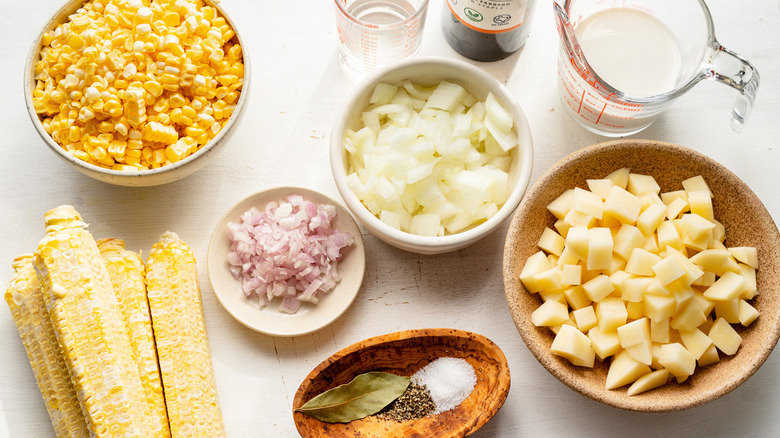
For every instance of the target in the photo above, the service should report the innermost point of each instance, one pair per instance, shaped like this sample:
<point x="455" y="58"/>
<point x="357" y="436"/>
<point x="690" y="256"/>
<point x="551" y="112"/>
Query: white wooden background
<point x="297" y="88"/>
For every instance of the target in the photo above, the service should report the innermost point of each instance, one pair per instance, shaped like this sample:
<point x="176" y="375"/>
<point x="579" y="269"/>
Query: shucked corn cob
<point x="126" y="271"/>
<point x="86" y="317"/>
<point x="25" y="299"/>
<point x="182" y="344"/>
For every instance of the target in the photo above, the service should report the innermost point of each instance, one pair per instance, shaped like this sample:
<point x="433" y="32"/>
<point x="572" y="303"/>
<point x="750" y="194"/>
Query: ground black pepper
<point x="415" y="402"/>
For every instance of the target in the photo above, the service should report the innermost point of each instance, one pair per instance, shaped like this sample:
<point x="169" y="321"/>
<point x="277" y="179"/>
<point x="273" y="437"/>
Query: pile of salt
<point x="450" y="380"/>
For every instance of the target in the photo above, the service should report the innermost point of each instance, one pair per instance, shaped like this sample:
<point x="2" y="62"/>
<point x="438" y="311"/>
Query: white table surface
<point x="298" y="87"/>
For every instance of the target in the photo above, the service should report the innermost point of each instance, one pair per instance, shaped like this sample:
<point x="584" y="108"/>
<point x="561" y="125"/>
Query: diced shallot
<point x="289" y="251"/>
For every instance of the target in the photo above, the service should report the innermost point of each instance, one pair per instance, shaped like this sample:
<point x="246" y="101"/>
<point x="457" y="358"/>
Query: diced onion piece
<point x="289" y="251"/>
<point x="431" y="151"/>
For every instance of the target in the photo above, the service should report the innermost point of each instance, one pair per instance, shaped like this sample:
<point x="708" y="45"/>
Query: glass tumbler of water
<point x="376" y="33"/>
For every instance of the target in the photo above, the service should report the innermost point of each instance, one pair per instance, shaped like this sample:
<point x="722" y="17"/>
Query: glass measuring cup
<point x="375" y="33"/>
<point x="603" y="109"/>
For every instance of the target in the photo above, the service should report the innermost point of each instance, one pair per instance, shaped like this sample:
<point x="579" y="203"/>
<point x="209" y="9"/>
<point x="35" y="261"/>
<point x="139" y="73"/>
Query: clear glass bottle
<point x="486" y="30"/>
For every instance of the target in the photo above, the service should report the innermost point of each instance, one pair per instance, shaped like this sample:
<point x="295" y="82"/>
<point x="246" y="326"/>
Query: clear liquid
<point x="381" y="11"/>
<point x="384" y="34"/>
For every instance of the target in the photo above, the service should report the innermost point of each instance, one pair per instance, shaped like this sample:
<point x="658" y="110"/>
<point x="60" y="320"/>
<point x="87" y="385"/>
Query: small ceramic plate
<point x="404" y="353"/>
<point x="270" y="320"/>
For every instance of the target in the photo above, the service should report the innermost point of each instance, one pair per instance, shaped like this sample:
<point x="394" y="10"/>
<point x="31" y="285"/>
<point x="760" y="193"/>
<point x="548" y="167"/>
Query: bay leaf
<point x="365" y="395"/>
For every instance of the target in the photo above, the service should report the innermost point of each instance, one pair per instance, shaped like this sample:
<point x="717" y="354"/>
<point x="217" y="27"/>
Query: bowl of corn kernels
<point x="134" y="94"/>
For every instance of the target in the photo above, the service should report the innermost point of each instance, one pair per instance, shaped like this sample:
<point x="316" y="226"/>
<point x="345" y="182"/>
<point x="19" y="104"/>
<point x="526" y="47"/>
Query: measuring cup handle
<point x="735" y="71"/>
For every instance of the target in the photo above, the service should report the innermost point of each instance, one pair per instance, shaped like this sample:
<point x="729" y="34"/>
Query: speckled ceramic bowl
<point x="141" y="178"/>
<point x="747" y="224"/>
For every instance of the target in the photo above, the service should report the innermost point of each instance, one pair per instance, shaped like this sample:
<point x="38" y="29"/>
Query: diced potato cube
<point x="562" y="204"/>
<point x="627" y="238"/>
<point x="677" y="207"/>
<point x="618" y="278"/>
<point x="562" y="227"/>
<point x="709" y="357"/>
<point x="692" y="272"/>
<point x="728" y="310"/>
<point x="749" y="274"/>
<point x="634" y="332"/>
<point x="573" y="345"/>
<point x="624" y="369"/>
<point x="695" y="227"/>
<point x="719" y="232"/>
<point x="620" y="177"/>
<point x="688" y="317"/>
<point x="576" y="297"/>
<point x="622" y="205"/>
<point x="551" y="242"/>
<point x="682" y="295"/>
<point x="568" y="257"/>
<point x="667" y="235"/>
<point x="668" y="270"/>
<point x="552" y="295"/>
<point x="600" y="187"/>
<point x="604" y="344"/>
<point x="550" y="279"/>
<point x="577" y="239"/>
<point x="678" y="360"/>
<point x="648" y="220"/>
<point x="747" y="313"/>
<point x="576" y="218"/>
<point x="641" y="262"/>
<point x="633" y="289"/>
<point x="701" y="204"/>
<point x="659" y="331"/>
<point x="649" y="381"/>
<point x="599" y="249"/>
<point x="642" y="352"/>
<point x="695" y="341"/>
<point x="556" y="328"/>
<point x="535" y="265"/>
<point x="717" y="261"/>
<point x="745" y="254"/>
<point x="611" y="313"/>
<point x="588" y="203"/>
<point x="724" y="336"/>
<point x="706" y="280"/>
<point x="598" y="288"/>
<point x="727" y="287"/>
<point x="549" y="314"/>
<point x="572" y="275"/>
<point x="585" y="318"/>
<point x="696" y="183"/>
<point x="638" y="184"/>
<point x="659" y="307"/>
<point x="705" y="303"/>
<point x="635" y="310"/>
<point x="668" y="197"/>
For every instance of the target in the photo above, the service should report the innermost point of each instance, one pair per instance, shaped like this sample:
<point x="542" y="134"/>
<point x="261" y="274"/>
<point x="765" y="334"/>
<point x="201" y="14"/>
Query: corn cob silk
<point x="109" y="361"/>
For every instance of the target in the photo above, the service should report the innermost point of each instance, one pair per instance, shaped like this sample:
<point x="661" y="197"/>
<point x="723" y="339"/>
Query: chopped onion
<point x="289" y="251"/>
<point x="431" y="160"/>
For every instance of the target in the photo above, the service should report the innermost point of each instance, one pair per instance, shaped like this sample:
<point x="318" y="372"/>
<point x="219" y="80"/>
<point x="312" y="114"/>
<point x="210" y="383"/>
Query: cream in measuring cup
<point x="621" y="66"/>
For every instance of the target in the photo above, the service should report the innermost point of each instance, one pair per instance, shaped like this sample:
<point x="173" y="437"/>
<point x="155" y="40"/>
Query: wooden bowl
<point x="747" y="223"/>
<point x="404" y="353"/>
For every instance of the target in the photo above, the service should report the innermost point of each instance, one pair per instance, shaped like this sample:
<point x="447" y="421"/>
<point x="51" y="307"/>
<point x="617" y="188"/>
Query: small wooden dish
<point x="747" y="223"/>
<point x="404" y="353"/>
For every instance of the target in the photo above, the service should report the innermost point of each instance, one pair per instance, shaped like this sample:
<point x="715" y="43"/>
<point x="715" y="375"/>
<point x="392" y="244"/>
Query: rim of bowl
<point x="450" y="241"/>
<point x="29" y="85"/>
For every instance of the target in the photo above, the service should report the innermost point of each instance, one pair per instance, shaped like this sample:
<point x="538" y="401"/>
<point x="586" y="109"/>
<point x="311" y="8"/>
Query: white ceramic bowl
<point x="144" y="178"/>
<point x="431" y="71"/>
